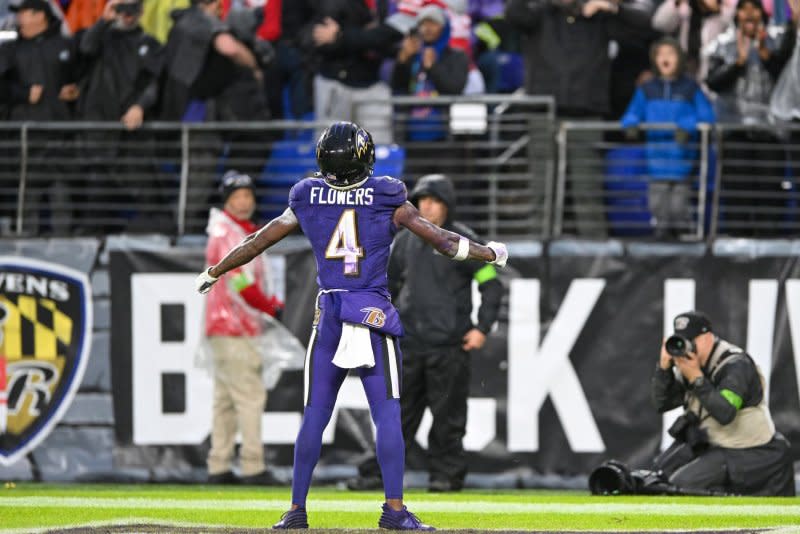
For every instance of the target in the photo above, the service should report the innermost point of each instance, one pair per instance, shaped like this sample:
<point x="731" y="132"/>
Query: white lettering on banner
<point x="481" y="424"/>
<point x="39" y="286"/>
<point x="539" y="371"/>
<point x="536" y="368"/>
<point x="678" y="298"/>
<point x="793" y="311"/>
<point x="761" y="310"/>
<point x="151" y="357"/>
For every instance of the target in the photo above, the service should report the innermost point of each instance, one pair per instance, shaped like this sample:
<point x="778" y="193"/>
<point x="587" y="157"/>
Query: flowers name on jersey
<point x="45" y="329"/>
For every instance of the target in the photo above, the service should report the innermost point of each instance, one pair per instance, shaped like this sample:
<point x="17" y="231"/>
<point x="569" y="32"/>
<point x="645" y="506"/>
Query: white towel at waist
<point x="355" y="348"/>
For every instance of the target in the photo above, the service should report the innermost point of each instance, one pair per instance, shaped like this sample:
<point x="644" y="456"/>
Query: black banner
<point x="562" y="383"/>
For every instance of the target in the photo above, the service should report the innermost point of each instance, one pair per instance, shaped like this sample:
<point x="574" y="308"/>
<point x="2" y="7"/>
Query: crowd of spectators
<point x="218" y="60"/>
<point x="302" y="57"/>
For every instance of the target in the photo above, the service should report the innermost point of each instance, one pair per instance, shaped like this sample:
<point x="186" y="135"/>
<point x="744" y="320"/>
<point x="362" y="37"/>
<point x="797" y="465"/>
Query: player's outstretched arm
<point x="449" y="243"/>
<point x="249" y="248"/>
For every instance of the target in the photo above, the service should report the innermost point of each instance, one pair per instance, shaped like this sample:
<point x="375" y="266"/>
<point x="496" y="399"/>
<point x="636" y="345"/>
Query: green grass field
<point x="29" y="506"/>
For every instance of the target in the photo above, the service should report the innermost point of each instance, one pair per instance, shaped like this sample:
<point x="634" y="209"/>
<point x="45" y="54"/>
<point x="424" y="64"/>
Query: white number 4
<point x="344" y="243"/>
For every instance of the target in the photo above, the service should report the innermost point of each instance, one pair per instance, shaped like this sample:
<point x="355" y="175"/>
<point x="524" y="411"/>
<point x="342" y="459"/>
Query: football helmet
<point x="345" y="154"/>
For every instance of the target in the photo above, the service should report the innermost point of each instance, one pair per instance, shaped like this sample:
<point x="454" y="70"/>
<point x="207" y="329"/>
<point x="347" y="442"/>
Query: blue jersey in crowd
<point x="681" y="102"/>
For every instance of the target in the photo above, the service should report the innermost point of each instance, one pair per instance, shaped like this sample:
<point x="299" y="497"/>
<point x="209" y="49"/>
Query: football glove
<point x="500" y="253"/>
<point x="204" y="281"/>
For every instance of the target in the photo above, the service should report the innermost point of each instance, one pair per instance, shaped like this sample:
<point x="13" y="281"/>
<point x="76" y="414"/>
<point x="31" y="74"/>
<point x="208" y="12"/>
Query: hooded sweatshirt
<point x="433" y="293"/>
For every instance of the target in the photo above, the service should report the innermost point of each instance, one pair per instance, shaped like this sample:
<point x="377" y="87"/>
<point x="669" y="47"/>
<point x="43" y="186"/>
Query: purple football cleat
<point x="292" y="519"/>
<point x="402" y="520"/>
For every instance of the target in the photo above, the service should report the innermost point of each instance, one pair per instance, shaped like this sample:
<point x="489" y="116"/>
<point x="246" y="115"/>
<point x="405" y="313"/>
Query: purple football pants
<point x="322" y="382"/>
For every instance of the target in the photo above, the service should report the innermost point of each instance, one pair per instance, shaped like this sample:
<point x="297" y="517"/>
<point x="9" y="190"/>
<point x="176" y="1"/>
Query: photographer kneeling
<point x="725" y="439"/>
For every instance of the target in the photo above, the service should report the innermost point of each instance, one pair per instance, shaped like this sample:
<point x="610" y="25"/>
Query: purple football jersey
<point x="350" y="230"/>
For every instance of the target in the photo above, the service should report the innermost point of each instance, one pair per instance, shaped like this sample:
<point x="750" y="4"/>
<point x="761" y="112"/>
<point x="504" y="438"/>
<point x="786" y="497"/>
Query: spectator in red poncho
<point x="233" y="324"/>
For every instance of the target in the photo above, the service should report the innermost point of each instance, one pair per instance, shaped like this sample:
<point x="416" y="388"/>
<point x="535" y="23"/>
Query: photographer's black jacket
<point x="729" y="369"/>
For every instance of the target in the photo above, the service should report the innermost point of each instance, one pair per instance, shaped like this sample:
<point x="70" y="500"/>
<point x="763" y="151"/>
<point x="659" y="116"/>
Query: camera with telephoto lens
<point x="686" y="429"/>
<point x="679" y="346"/>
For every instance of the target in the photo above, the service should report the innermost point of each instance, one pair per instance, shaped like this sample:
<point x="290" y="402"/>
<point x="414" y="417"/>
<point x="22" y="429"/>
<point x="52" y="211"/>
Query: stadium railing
<point x="742" y="181"/>
<point x="603" y="179"/>
<point x="518" y="172"/>
<point x="59" y="178"/>
<point x="756" y="188"/>
<point x="68" y="178"/>
<point x="497" y="149"/>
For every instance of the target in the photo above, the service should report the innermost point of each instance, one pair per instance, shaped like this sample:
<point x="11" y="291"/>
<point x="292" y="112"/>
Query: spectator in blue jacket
<point x="670" y="97"/>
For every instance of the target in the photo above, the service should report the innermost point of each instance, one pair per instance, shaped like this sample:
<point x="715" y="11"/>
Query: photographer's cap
<point x="691" y="324"/>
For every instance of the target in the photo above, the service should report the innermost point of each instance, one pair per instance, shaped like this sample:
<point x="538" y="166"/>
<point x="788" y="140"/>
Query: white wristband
<point x="463" y="249"/>
<point x="208" y="277"/>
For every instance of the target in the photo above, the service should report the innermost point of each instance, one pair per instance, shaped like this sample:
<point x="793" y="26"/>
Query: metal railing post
<point x="714" y="226"/>
<point x="23" y="175"/>
<point x="703" y="179"/>
<point x="183" y="193"/>
<point x="561" y="179"/>
<point x="549" y="174"/>
<point x="494" y="138"/>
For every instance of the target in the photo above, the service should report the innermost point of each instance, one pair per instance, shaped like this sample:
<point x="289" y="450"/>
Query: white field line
<point x="201" y="526"/>
<point x="478" y="507"/>
<point x="123" y="523"/>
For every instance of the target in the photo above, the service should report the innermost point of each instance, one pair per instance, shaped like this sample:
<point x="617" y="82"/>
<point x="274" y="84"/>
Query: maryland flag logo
<point x="45" y="329"/>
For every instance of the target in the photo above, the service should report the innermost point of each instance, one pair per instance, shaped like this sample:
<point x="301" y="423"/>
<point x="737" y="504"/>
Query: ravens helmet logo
<point x="361" y="144"/>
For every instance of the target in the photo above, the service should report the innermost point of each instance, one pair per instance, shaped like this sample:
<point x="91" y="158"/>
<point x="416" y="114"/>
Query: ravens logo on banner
<point x="45" y="330"/>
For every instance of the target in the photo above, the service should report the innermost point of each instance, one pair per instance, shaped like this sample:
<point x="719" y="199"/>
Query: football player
<point x="350" y="217"/>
